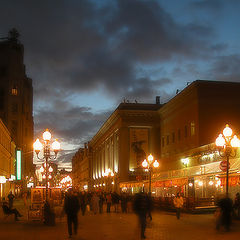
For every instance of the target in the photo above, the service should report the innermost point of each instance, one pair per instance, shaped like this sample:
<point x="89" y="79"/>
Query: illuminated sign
<point x="18" y="166"/>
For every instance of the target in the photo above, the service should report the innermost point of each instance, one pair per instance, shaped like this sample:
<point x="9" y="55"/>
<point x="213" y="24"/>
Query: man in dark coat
<point x="141" y="208"/>
<point x="71" y="207"/>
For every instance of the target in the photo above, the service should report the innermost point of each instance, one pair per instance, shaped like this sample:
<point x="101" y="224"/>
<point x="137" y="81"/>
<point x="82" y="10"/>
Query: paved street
<point x="111" y="226"/>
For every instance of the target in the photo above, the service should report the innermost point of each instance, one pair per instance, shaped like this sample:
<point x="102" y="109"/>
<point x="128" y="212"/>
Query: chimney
<point x="157" y="99"/>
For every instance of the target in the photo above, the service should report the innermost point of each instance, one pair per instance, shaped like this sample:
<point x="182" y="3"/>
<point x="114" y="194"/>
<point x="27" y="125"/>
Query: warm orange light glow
<point x="220" y="141"/>
<point x="37" y="146"/>
<point x="150" y="158"/>
<point x="50" y="169"/>
<point x="47" y="135"/>
<point x="56" y="145"/>
<point x="235" y="142"/>
<point x="156" y="164"/>
<point x="145" y="163"/>
<point x="227" y="131"/>
<point x="41" y="169"/>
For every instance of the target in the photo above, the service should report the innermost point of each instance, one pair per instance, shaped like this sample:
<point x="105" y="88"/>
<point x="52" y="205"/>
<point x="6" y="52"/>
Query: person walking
<point x="109" y="202"/>
<point x="140" y="207"/>
<point x="178" y="203"/>
<point x="237" y="206"/>
<point x="83" y="202"/>
<point x="71" y="207"/>
<point x="95" y="203"/>
<point x="10" y="199"/>
<point x="9" y="211"/>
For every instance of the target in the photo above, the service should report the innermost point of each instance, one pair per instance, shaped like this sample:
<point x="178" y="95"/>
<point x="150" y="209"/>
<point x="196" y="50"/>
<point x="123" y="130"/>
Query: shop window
<point x="185" y="131"/>
<point x="192" y="128"/>
<point x="179" y="134"/>
<point x="173" y="137"/>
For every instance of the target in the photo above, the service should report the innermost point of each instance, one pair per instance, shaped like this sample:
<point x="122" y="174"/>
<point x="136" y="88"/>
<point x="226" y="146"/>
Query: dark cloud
<point x="82" y="46"/>
<point x="226" y="68"/>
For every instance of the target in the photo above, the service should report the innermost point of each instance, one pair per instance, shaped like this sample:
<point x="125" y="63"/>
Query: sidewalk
<point x="118" y="226"/>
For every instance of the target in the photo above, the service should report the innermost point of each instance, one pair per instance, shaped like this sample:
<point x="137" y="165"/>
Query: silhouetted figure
<point x="124" y="200"/>
<point x="140" y="207"/>
<point x="101" y="201"/>
<point x="49" y="216"/>
<point x="10" y="199"/>
<point x="237" y="205"/>
<point x="178" y="203"/>
<point x="109" y="202"/>
<point x="150" y="205"/>
<point x="95" y="203"/>
<point x="226" y="205"/>
<point x="9" y="211"/>
<point x="83" y="202"/>
<point x="71" y="207"/>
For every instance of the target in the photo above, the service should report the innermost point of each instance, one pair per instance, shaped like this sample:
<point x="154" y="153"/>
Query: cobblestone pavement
<point x="118" y="226"/>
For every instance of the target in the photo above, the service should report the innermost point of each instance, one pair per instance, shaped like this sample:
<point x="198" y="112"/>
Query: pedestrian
<point x="109" y="202"/>
<point x="95" y="203"/>
<point x="9" y="211"/>
<point x="124" y="200"/>
<point x="140" y="208"/>
<point x="101" y="201"/>
<point x="149" y="206"/>
<point x="237" y="206"/>
<point x="226" y="206"/>
<point x="71" y="207"/>
<point x="178" y="203"/>
<point x="83" y="202"/>
<point x="10" y="199"/>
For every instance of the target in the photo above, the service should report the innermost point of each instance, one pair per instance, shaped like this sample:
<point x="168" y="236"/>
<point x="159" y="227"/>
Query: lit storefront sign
<point x="18" y="165"/>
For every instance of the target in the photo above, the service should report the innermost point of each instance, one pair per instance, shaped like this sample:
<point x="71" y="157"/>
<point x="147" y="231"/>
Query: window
<point x="162" y="141"/>
<point x="185" y="131"/>
<point x="192" y="128"/>
<point x="14" y="91"/>
<point x="173" y="137"/>
<point x="179" y="134"/>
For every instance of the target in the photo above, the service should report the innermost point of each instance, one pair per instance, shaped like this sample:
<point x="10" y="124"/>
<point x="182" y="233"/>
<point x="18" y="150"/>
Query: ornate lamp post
<point x="109" y="174"/>
<point x="38" y="146"/>
<point x="150" y="164"/>
<point x="227" y="144"/>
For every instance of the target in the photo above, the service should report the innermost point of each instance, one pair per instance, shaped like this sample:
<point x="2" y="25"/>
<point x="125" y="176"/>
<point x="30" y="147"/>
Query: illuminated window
<point x="192" y="128"/>
<point x="14" y="90"/>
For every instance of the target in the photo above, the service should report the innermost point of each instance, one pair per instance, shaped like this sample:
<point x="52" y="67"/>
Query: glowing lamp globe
<point x="50" y="169"/>
<point x="56" y="146"/>
<point x="235" y="142"/>
<point x="144" y="163"/>
<point x="227" y="131"/>
<point x="47" y="135"/>
<point x="41" y="169"/>
<point x="150" y="158"/>
<point x="156" y="164"/>
<point x="220" y="141"/>
<point x="37" y="146"/>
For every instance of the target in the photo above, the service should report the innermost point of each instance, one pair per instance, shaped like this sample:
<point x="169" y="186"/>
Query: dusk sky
<point x="86" y="56"/>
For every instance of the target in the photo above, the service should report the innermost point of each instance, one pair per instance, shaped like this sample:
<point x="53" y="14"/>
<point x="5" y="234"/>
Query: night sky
<point x="86" y="56"/>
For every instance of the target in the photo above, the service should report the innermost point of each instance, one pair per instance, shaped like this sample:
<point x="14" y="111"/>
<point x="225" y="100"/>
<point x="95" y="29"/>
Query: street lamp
<point x="38" y="146"/>
<point x="150" y="164"/>
<point x="227" y="144"/>
<point x="109" y="174"/>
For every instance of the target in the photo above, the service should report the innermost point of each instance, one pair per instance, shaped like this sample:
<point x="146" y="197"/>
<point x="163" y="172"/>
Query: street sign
<point x="223" y="166"/>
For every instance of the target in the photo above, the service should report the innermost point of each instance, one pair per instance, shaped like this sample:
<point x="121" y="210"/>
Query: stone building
<point x="80" y="168"/>
<point x="181" y="136"/>
<point x="7" y="161"/>
<point x="16" y="99"/>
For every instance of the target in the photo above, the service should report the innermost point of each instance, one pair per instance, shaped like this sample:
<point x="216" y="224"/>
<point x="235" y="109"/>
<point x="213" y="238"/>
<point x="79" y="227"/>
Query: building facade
<point x="180" y="134"/>
<point x="7" y="161"/>
<point x="16" y="99"/>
